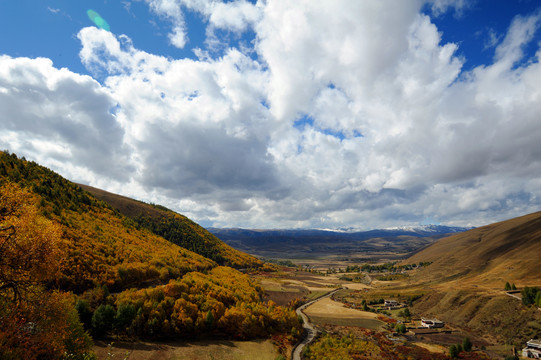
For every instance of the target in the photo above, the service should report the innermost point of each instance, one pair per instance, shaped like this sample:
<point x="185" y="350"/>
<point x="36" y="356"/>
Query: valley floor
<point x="472" y="313"/>
<point x="339" y="316"/>
<point x="193" y="350"/>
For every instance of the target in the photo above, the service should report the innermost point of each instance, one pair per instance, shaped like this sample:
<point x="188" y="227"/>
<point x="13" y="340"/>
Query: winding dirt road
<point x="309" y="329"/>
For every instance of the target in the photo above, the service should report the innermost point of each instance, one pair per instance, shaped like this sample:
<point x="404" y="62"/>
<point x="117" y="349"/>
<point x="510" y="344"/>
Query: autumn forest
<point x="73" y="268"/>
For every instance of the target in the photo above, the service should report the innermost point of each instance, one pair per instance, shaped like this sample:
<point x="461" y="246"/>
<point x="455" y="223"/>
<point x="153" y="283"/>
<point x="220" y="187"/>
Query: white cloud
<point x="235" y="16"/>
<point x="53" y="114"/>
<point x="351" y="115"/>
<point x="520" y="32"/>
<point x="170" y="10"/>
<point x="442" y="6"/>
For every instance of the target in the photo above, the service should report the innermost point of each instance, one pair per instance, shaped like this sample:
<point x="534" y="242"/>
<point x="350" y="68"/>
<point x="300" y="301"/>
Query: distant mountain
<point x="288" y="243"/>
<point x="430" y="229"/>
<point x="505" y="251"/>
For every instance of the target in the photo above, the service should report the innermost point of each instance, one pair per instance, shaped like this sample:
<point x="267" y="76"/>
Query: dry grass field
<point x="439" y="349"/>
<point x="486" y="257"/>
<point x="193" y="350"/>
<point x="328" y="311"/>
<point x="282" y="287"/>
<point x="281" y="290"/>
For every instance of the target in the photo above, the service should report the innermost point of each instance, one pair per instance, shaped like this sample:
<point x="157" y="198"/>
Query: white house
<point x="390" y="304"/>
<point x="532" y="349"/>
<point x="431" y="323"/>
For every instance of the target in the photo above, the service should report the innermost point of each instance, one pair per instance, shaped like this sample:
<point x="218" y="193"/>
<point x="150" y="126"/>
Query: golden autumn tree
<point x="34" y="323"/>
<point x="29" y="252"/>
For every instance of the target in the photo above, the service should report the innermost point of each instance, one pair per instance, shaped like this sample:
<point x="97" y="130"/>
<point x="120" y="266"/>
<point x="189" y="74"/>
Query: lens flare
<point x="98" y="20"/>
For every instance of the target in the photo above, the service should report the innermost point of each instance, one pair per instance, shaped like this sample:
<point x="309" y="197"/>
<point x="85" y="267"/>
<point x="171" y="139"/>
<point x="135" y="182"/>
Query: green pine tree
<point x="466" y="344"/>
<point x="453" y="351"/>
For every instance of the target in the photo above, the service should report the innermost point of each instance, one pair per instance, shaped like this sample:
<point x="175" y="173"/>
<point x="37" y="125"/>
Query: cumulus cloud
<point x="55" y="115"/>
<point x="350" y="114"/>
<point x="171" y="11"/>
<point x="200" y="128"/>
<point x="235" y="16"/>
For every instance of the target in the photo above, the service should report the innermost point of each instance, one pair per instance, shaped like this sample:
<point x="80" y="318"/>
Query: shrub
<point x="103" y="320"/>
<point x="124" y="316"/>
<point x="85" y="313"/>
<point x="407" y="312"/>
<point x="466" y="344"/>
<point x="453" y="351"/>
<point x="529" y="295"/>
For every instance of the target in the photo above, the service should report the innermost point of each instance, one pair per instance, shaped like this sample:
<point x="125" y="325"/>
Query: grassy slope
<point x="464" y="284"/>
<point x="497" y="318"/>
<point x="177" y="229"/>
<point x="487" y="256"/>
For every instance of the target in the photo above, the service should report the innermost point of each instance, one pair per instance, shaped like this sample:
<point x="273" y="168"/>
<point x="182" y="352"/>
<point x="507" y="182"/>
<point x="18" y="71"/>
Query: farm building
<point x="431" y="323"/>
<point x="391" y="304"/>
<point x="532" y="349"/>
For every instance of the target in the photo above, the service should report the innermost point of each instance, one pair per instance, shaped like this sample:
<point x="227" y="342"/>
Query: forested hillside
<point x="68" y="258"/>
<point x="176" y="228"/>
<point x="100" y="246"/>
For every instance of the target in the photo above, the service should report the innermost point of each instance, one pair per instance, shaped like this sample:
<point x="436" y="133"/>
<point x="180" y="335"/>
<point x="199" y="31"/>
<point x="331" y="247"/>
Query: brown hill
<point x="176" y="228"/>
<point x="487" y="256"/>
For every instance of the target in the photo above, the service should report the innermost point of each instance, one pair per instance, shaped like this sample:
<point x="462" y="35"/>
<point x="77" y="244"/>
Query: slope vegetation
<point x="126" y="280"/>
<point x="487" y="256"/>
<point x="100" y="246"/>
<point x="176" y="228"/>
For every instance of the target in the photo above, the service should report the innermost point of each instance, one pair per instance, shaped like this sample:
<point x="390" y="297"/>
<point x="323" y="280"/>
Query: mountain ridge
<point x="299" y="243"/>
<point x="176" y="228"/>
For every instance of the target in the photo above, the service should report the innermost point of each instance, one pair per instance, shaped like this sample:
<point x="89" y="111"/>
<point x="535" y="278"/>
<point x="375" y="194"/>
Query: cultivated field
<point x="193" y="350"/>
<point x="330" y="312"/>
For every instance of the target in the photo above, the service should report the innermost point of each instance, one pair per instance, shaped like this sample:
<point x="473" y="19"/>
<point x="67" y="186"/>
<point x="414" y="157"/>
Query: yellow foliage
<point x="29" y="243"/>
<point x="230" y="296"/>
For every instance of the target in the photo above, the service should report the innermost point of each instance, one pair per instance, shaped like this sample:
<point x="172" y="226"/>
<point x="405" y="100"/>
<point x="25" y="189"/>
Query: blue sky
<point x="277" y="114"/>
<point x="49" y="28"/>
<point x="475" y="27"/>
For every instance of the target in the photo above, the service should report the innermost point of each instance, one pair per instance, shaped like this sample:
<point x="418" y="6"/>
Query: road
<point x="309" y="329"/>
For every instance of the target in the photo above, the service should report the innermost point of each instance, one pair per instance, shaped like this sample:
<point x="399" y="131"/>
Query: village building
<point x="532" y="349"/>
<point x="431" y="323"/>
<point x="391" y="304"/>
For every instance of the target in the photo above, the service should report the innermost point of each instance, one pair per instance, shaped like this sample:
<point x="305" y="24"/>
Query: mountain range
<point x="310" y="243"/>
